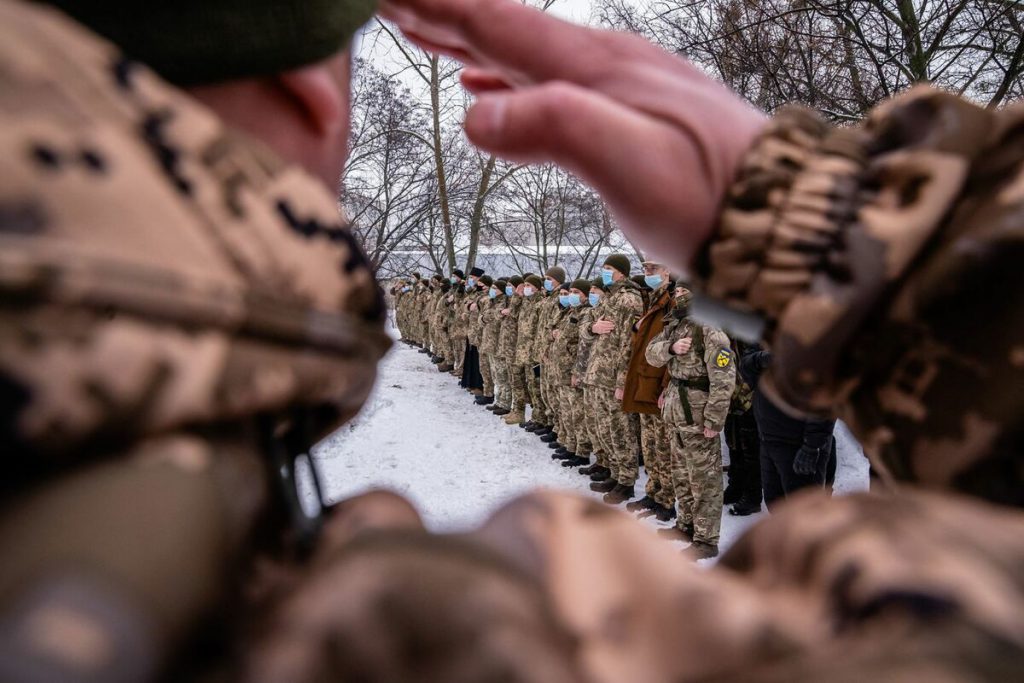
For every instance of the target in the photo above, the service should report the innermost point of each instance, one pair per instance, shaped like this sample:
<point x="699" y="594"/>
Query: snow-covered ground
<point x="422" y="436"/>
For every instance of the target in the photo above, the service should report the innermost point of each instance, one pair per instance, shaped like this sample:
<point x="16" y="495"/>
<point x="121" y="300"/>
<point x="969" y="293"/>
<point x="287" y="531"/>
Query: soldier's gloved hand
<point x="547" y="89"/>
<point x="807" y="460"/>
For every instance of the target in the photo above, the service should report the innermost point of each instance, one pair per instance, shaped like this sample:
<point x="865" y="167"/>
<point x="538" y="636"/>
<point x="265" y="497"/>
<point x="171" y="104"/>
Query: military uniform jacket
<point x="548" y="314"/>
<point x="490" y="319"/>
<point x="609" y="357"/>
<point x="703" y="378"/>
<point x="527" y="328"/>
<point x="587" y="316"/>
<point x="509" y="331"/>
<point x="563" y="350"/>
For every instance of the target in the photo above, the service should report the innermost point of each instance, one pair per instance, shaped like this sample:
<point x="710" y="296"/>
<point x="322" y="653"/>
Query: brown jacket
<point x="644" y="382"/>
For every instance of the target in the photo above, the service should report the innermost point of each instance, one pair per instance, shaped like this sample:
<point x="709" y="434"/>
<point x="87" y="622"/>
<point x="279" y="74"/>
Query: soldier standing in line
<point x="505" y="403"/>
<point x="743" y="492"/>
<point x="440" y="321"/>
<point x="476" y="293"/>
<point x="547" y="315"/>
<point x="457" y="322"/>
<point x="498" y="299"/>
<point x="598" y="471"/>
<point x="429" y="311"/>
<point x="605" y="379"/>
<point x="525" y="371"/>
<point x="644" y="386"/>
<point x="549" y="377"/>
<point x="695" y="405"/>
<point x="575" y="440"/>
<point x="488" y="313"/>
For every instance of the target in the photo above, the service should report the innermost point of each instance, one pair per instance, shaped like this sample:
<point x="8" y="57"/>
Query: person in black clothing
<point x="795" y="453"/>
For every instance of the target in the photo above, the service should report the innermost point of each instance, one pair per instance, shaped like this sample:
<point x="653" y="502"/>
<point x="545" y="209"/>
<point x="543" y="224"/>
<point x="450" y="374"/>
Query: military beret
<point x="206" y="41"/>
<point x="476" y="272"/>
<point x="486" y="280"/>
<point x="581" y="284"/>
<point x="534" y="280"/>
<point x="556" y="273"/>
<point x="515" y="280"/>
<point x="619" y="262"/>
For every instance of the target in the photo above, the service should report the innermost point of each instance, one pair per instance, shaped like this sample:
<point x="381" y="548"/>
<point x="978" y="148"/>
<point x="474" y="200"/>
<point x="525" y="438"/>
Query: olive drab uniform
<point x="606" y="371"/>
<point x="589" y="426"/>
<point x="548" y="314"/>
<point x="698" y="397"/>
<point x="175" y="297"/>
<point x="562" y="357"/>
<point x="524" y="382"/>
<point x="506" y="350"/>
<point x="490" y="313"/>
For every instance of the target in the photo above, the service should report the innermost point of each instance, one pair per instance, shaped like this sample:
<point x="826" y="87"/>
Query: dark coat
<point x="644" y="382"/>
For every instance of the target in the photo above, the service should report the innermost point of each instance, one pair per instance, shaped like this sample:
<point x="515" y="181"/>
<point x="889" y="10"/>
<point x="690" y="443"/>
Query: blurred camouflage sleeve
<point x="882" y="261"/>
<point x="721" y="365"/>
<point x="629" y="310"/>
<point x="658" y="352"/>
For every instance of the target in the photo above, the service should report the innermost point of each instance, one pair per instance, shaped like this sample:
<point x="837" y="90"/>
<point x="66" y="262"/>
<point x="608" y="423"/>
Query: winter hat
<point x="598" y="283"/>
<point x="416" y="275"/>
<point x="556" y="273"/>
<point x="639" y="279"/>
<point x="206" y="41"/>
<point x="476" y="272"/>
<point x="501" y="285"/>
<point x="581" y="284"/>
<point x="459" y="274"/>
<point x="619" y="262"/>
<point x="486" y="280"/>
<point x="526" y="275"/>
<point x="515" y="280"/>
<point x="535" y="281"/>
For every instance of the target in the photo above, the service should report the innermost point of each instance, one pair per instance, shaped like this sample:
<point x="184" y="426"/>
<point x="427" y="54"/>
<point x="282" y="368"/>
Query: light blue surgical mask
<point x="574" y="300"/>
<point x="406" y="289"/>
<point x="472" y="282"/>
<point x="653" y="281"/>
<point x="549" y="286"/>
<point x="594" y="299"/>
<point x="454" y="280"/>
<point x="492" y="293"/>
<point x="563" y="300"/>
<point x="510" y="290"/>
<point x="606" y="277"/>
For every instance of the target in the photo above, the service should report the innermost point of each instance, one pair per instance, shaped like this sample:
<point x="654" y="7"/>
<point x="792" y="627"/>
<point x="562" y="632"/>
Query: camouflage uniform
<point x="562" y="357"/>
<point x="490" y="327"/>
<point x="606" y="370"/>
<point x="549" y="314"/>
<point x="177" y="303"/>
<point x="588" y="425"/>
<point x="702" y="386"/>
<point x="458" y="326"/>
<point x="524" y="382"/>
<point x="505" y="356"/>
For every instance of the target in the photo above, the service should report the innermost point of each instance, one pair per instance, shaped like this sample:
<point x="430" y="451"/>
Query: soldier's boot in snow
<point x="576" y="462"/>
<point x="484" y="400"/>
<point x="732" y="493"/>
<point x="602" y="474"/>
<point x="559" y="453"/>
<point x="515" y="418"/>
<point x="554" y="444"/>
<point x="589" y="469"/>
<point x="548" y="436"/>
<point x="702" y="551"/>
<point x="491" y="408"/>
<point x="678" y="533"/>
<point x="744" y="507"/>
<point x="444" y="367"/>
<point x="619" y="494"/>
<point x="423" y="350"/>
<point x="645" y="503"/>
<point x="566" y="456"/>
<point x="531" y="426"/>
<point x="665" y="513"/>
<point x="604" y="486"/>
<point x="501" y="411"/>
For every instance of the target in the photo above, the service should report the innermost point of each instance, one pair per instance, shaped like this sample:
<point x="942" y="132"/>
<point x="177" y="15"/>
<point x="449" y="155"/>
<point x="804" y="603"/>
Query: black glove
<point x="807" y="459"/>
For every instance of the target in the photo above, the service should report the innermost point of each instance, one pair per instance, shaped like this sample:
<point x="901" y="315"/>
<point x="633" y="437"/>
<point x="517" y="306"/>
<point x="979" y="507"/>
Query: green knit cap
<point x="515" y="280"/>
<point x="619" y="262"/>
<point x="581" y="284"/>
<point x="190" y="42"/>
<point x="598" y="283"/>
<point x="535" y="281"/>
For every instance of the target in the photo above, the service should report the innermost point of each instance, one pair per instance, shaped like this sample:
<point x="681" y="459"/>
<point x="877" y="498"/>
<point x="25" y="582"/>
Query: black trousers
<point x="471" y="377"/>
<point x="744" y="458"/>
<point x="778" y="479"/>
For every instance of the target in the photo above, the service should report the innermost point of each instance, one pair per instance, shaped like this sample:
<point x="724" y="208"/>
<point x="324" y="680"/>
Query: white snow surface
<point x="421" y="435"/>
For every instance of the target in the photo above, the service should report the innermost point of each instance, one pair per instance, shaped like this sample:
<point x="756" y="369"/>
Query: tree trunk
<point x="478" y="211"/>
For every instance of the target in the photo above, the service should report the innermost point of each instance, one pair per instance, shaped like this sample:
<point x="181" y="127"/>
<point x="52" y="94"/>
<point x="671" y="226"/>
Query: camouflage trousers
<point x="520" y="386"/>
<point x="550" y="395"/>
<point x="539" y="399"/>
<point x="487" y="374"/>
<point x="613" y="433"/>
<point x="654" y="440"/>
<point x="574" y="435"/>
<point x="537" y="413"/>
<point x="502" y="382"/>
<point x="458" y="346"/>
<point x="697" y="478"/>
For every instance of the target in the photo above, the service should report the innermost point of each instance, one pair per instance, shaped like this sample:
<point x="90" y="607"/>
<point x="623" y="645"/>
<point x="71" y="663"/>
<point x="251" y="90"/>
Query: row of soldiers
<point x="614" y="372"/>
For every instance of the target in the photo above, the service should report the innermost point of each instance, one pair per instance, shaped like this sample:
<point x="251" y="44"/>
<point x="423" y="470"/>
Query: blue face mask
<point x="454" y="280"/>
<point x="574" y="300"/>
<point x="406" y="289"/>
<point x="594" y="299"/>
<point x="471" y="282"/>
<point x="492" y="293"/>
<point x="510" y="290"/>
<point x="606" y="277"/>
<point x="653" y="281"/>
<point x="563" y="300"/>
<point x="548" y="286"/>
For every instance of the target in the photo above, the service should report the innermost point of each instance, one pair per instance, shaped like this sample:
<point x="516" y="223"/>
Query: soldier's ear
<point x="319" y="94"/>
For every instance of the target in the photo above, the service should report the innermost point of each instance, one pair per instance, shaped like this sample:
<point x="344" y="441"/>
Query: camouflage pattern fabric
<point x="696" y="459"/>
<point x="656" y="447"/>
<point x="867" y="251"/>
<point x="609" y="354"/>
<point x="526" y="329"/>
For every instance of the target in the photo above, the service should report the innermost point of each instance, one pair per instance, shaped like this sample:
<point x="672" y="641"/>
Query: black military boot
<point x="604" y="486"/>
<point x="745" y="506"/>
<point x="491" y="408"/>
<point x="501" y="411"/>
<point x="603" y="474"/>
<point x="557" y="455"/>
<point x="542" y="430"/>
<point x="556" y="444"/>
<point x="565" y="455"/>
<point x="619" y="494"/>
<point x="589" y="469"/>
<point x="665" y="513"/>
<point x="645" y="503"/>
<point x="575" y="461"/>
<point x="483" y="400"/>
<point x="549" y="437"/>
<point x="530" y="426"/>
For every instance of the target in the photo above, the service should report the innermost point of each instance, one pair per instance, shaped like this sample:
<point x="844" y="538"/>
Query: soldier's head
<point x="484" y="282"/>
<point x="516" y="283"/>
<point x="553" y="278"/>
<point x="597" y="290"/>
<point x="616" y="267"/>
<point x="279" y="70"/>
<point x="499" y="288"/>
<point x="458" y="277"/>
<point x="655" y="274"/>
<point x="531" y="285"/>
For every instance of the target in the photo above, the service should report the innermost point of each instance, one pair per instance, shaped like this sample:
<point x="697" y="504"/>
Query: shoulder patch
<point x="723" y="358"/>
